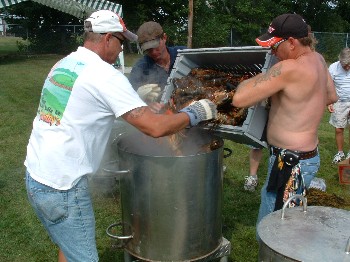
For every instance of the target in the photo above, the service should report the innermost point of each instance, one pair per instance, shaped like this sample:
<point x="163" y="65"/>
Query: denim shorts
<point x="308" y="170"/>
<point x="68" y="217"/>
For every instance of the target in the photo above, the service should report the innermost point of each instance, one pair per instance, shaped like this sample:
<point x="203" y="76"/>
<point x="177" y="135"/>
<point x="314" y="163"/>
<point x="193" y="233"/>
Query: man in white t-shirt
<point x="81" y="97"/>
<point x="340" y="72"/>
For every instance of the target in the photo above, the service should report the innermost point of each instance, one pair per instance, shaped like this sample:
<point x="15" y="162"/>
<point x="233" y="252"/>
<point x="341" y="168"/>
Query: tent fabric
<point x="81" y="8"/>
<point x="4" y="3"/>
<point x="102" y="4"/>
<point x="78" y="8"/>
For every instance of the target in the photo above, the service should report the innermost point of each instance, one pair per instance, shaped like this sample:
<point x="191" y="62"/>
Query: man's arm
<point x="156" y="125"/>
<point x="259" y="87"/>
<point x="332" y="96"/>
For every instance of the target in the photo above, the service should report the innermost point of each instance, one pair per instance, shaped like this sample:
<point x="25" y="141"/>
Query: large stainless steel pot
<point x="313" y="233"/>
<point x="171" y="199"/>
<point x="105" y="180"/>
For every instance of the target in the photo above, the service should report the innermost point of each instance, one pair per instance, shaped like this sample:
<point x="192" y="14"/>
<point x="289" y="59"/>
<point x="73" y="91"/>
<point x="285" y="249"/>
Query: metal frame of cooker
<point x="239" y="60"/>
<point x="222" y="252"/>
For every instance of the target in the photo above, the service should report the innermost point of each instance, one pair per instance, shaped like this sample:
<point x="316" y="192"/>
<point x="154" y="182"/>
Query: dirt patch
<point x="316" y="197"/>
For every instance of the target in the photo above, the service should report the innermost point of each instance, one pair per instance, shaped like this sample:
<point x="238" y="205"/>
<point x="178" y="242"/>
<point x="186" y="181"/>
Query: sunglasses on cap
<point x="275" y="46"/>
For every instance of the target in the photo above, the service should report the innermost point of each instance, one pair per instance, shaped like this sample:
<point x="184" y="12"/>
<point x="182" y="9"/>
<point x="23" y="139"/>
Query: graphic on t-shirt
<point x="57" y="90"/>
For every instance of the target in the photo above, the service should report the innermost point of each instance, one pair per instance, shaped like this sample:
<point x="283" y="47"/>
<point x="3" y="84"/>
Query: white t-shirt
<point x="81" y="98"/>
<point x="341" y="80"/>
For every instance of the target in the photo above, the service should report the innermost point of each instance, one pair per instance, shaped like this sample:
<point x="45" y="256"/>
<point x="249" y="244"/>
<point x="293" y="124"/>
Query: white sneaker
<point x="338" y="157"/>
<point x="347" y="155"/>
<point x="250" y="183"/>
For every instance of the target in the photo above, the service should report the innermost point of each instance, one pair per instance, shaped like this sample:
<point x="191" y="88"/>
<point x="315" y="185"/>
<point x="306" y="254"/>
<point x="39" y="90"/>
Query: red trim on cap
<point x="269" y="42"/>
<point x="122" y="23"/>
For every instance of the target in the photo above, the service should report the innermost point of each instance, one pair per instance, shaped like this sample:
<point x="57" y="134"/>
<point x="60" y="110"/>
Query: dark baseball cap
<point x="282" y="27"/>
<point x="149" y="35"/>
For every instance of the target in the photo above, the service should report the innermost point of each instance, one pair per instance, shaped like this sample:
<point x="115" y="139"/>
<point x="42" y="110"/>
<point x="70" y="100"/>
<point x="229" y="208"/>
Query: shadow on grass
<point x="2" y="184"/>
<point x="6" y="59"/>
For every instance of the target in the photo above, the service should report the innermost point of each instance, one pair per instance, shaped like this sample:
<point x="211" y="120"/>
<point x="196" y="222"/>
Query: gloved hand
<point x="149" y="92"/>
<point x="201" y="110"/>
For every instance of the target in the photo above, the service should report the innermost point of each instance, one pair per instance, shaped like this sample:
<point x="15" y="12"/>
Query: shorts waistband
<point x="302" y="154"/>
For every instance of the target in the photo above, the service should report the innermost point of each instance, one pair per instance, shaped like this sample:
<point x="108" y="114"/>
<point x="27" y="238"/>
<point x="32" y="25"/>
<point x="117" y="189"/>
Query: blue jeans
<point x="308" y="170"/>
<point x="68" y="217"/>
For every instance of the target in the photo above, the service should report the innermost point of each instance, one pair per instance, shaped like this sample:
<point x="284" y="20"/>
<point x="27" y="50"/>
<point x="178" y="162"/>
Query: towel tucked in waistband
<point x="285" y="178"/>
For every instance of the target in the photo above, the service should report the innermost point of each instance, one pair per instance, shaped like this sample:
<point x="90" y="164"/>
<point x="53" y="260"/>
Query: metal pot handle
<point x="347" y="248"/>
<point x="290" y="199"/>
<point x="114" y="172"/>
<point x="116" y="236"/>
<point x="229" y="152"/>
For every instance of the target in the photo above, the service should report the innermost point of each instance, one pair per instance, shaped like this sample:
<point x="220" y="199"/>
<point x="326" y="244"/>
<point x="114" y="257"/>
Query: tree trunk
<point x="190" y="23"/>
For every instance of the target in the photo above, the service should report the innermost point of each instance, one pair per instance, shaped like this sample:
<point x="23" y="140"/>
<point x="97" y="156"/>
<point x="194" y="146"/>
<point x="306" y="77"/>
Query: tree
<point x="211" y="28"/>
<point x="172" y="15"/>
<point x="321" y="15"/>
<point x="216" y="22"/>
<point x="46" y="33"/>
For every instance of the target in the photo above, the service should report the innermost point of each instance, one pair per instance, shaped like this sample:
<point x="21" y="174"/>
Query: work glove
<point x="201" y="110"/>
<point x="149" y="93"/>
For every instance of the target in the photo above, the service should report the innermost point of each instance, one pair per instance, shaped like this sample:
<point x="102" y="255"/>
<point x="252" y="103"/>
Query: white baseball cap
<point x="106" y="21"/>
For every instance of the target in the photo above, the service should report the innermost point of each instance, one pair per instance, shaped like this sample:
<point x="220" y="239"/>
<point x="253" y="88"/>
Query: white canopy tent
<point x="78" y="8"/>
<point x="4" y="3"/>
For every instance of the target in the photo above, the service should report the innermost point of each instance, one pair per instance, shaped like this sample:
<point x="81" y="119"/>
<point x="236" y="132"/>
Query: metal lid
<point x="318" y="234"/>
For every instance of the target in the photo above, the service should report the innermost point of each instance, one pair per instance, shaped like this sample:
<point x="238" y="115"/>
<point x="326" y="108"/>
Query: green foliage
<point x="216" y="22"/>
<point x="44" y="30"/>
<point x="22" y="47"/>
<point x="171" y="15"/>
<point x="209" y="28"/>
<point x="330" y="44"/>
<point x="322" y="16"/>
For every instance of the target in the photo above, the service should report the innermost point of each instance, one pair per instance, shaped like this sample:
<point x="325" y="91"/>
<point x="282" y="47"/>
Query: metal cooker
<point x="171" y="200"/>
<point x="308" y="233"/>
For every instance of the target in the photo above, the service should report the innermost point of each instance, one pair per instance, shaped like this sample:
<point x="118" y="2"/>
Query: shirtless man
<point x="300" y="88"/>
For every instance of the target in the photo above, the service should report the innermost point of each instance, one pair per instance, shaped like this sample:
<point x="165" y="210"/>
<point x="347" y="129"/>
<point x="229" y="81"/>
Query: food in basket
<point x="218" y="86"/>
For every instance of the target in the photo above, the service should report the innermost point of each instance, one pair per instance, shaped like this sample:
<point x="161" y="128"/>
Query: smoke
<point x="188" y="142"/>
<point x="184" y="143"/>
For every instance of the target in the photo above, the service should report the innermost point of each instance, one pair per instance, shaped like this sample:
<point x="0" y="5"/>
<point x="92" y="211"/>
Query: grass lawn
<point x="22" y="236"/>
<point x="8" y="44"/>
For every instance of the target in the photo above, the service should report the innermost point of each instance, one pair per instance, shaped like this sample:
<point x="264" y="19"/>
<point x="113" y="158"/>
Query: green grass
<point x="22" y="237"/>
<point x="8" y="45"/>
<point x="130" y="59"/>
